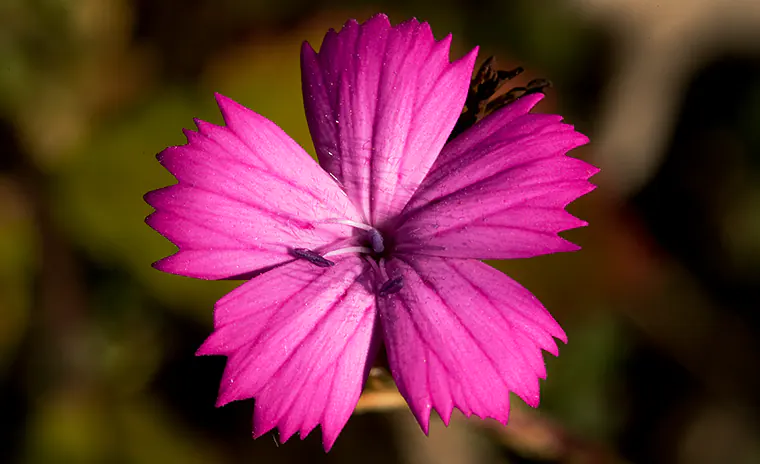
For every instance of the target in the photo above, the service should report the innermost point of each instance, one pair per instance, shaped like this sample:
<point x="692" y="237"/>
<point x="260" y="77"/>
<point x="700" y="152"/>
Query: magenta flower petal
<point x="381" y="102"/>
<point x="499" y="190"/>
<point x="246" y="194"/>
<point x="461" y="334"/>
<point x="297" y="339"/>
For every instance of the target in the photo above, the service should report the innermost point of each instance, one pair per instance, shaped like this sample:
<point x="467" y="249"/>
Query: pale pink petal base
<point x="461" y="334"/>
<point x="381" y="101"/>
<point x="298" y="340"/>
<point x="499" y="190"/>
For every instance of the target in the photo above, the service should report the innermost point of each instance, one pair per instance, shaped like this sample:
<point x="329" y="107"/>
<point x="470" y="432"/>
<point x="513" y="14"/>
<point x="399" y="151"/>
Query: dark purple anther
<point x="376" y="240"/>
<point x="391" y="286"/>
<point x="312" y="257"/>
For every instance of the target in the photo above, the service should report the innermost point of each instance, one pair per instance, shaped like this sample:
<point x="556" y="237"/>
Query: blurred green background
<point x="661" y="306"/>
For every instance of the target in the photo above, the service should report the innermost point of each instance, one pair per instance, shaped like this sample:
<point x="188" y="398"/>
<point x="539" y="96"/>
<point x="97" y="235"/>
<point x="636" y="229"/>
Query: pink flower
<point x="379" y="246"/>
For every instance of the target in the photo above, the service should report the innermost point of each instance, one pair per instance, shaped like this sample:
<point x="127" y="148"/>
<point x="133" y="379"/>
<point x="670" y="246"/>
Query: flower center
<point x="375" y="238"/>
<point x="370" y="241"/>
<point x="371" y="244"/>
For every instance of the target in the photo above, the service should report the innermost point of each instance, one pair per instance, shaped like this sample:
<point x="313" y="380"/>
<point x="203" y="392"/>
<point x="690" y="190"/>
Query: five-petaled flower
<point x="378" y="248"/>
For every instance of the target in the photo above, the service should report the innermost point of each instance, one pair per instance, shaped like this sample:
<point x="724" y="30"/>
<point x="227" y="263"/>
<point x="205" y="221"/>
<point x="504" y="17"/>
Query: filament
<point x="356" y="249"/>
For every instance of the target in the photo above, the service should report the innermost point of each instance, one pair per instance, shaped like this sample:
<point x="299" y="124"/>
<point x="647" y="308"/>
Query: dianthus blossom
<point x="377" y="247"/>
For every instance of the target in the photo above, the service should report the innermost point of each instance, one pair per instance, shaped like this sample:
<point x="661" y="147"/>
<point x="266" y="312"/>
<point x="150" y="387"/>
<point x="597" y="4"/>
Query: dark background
<point x="661" y="306"/>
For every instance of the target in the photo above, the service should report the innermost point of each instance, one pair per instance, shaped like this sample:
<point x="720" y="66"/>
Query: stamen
<point x="391" y="286"/>
<point x="373" y="264"/>
<point x="311" y="256"/>
<point x="383" y="271"/>
<point x="375" y="238"/>
<point x="340" y="251"/>
<point x="358" y="225"/>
